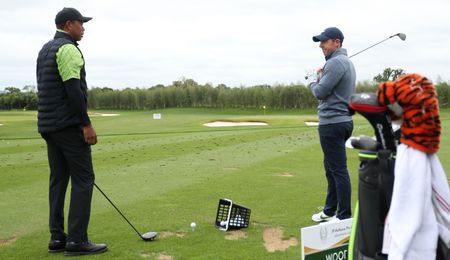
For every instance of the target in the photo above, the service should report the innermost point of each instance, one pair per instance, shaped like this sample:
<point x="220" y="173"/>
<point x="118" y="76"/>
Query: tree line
<point x="188" y="93"/>
<point x="15" y="98"/>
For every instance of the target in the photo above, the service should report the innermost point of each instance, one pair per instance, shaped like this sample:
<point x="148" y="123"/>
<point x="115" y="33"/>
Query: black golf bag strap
<point x="385" y="158"/>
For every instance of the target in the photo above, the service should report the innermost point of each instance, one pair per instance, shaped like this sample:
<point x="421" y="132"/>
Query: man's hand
<point x="313" y="75"/>
<point x="319" y="73"/>
<point x="90" y="136"/>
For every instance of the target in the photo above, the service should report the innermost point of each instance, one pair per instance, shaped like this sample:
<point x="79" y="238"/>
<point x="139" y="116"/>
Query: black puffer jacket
<point x="54" y="112"/>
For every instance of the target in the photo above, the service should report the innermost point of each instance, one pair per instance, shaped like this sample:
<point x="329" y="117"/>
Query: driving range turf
<point x="164" y="174"/>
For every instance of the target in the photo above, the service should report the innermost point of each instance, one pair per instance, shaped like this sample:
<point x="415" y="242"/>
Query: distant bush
<point x="14" y="98"/>
<point x="443" y="91"/>
<point x="188" y="93"/>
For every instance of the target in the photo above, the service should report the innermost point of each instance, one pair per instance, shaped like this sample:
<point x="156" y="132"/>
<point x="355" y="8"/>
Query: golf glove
<point x="311" y="76"/>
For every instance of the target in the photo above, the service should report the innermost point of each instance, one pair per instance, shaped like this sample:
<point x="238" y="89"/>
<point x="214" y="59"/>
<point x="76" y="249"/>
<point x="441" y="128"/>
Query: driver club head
<point x="402" y="36"/>
<point x="149" y="236"/>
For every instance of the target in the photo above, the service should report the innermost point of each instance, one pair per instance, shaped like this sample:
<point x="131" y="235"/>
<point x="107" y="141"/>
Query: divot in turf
<point x="273" y="240"/>
<point x="8" y="242"/>
<point x="236" y="235"/>
<point x="165" y="234"/>
<point x="158" y="256"/>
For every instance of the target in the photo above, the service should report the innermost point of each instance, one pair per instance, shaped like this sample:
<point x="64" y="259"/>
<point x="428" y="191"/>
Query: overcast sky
<point x="137" y="43"/>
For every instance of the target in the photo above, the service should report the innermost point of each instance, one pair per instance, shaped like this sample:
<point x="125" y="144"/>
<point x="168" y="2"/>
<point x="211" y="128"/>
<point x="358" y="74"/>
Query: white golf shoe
<point x="332" y="220"/>
<point x="322" y="217"/>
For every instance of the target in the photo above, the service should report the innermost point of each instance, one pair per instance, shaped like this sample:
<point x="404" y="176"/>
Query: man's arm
<point x="78" y="105"/>
<point x="70" y="62"/>
<point x="76" y="100"/>
<point x="332" y="74"/>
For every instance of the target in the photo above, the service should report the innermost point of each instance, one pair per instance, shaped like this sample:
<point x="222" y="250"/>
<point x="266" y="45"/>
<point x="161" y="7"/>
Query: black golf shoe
<point x="56" y="246"/>
<point x="84" y="248"/>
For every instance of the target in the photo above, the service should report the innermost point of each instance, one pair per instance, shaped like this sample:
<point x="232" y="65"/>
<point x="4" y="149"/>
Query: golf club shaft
<point x="98" y="188"/>
<point x="398" y="34"/>
<point x="368" y="47"/>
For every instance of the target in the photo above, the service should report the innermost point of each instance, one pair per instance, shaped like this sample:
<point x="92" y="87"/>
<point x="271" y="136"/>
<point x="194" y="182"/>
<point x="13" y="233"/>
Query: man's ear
<point x="67" y="25"/>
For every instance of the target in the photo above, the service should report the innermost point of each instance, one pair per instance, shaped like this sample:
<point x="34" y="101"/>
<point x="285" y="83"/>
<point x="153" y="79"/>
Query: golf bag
<point x="376" y="179"/>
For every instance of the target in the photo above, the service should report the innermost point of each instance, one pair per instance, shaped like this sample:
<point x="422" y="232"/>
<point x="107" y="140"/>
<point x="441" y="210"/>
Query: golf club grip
<point x="98" y="188"/>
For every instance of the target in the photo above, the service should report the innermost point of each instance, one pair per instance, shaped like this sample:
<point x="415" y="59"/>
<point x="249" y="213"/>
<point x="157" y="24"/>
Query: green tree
<point x="366" y="87"/>
<point x="12" y="90"/>
<point x="443" y="92"/>
<point x="388" y="74"/>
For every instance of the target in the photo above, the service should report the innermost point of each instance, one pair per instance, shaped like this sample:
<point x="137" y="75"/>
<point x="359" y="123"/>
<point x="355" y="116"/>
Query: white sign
<point x="156" y="115"/>
<point x="327" y="241"/>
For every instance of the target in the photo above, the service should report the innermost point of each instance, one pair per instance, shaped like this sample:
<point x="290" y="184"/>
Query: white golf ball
<point x="193" y="225"/>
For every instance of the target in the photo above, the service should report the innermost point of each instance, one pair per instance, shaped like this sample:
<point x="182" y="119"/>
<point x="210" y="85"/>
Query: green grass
<point x="165" y="174"/>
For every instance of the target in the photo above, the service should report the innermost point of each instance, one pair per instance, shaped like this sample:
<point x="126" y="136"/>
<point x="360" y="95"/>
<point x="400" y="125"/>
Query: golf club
<point x="402" y="37"/>
<point x="149" y="236"/>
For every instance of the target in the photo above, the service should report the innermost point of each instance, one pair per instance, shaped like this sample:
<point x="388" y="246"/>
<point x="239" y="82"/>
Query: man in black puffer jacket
<point x="65" y="125"/>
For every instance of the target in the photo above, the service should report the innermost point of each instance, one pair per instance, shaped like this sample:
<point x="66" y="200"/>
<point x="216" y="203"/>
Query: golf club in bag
<point x="376" y="179"/>
<point x="402" y="37"/>
<point x="149" y="236"/>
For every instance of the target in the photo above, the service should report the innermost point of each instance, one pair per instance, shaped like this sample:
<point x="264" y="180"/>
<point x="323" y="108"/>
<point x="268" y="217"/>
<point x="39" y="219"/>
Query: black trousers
<point x="332" y="140"/>
<point x="69" y="157"/>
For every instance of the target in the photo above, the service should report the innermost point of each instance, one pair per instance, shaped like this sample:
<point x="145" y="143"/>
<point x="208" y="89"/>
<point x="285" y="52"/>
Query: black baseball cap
<point x="70" y="14"/>
<point x="329" y="33"/>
